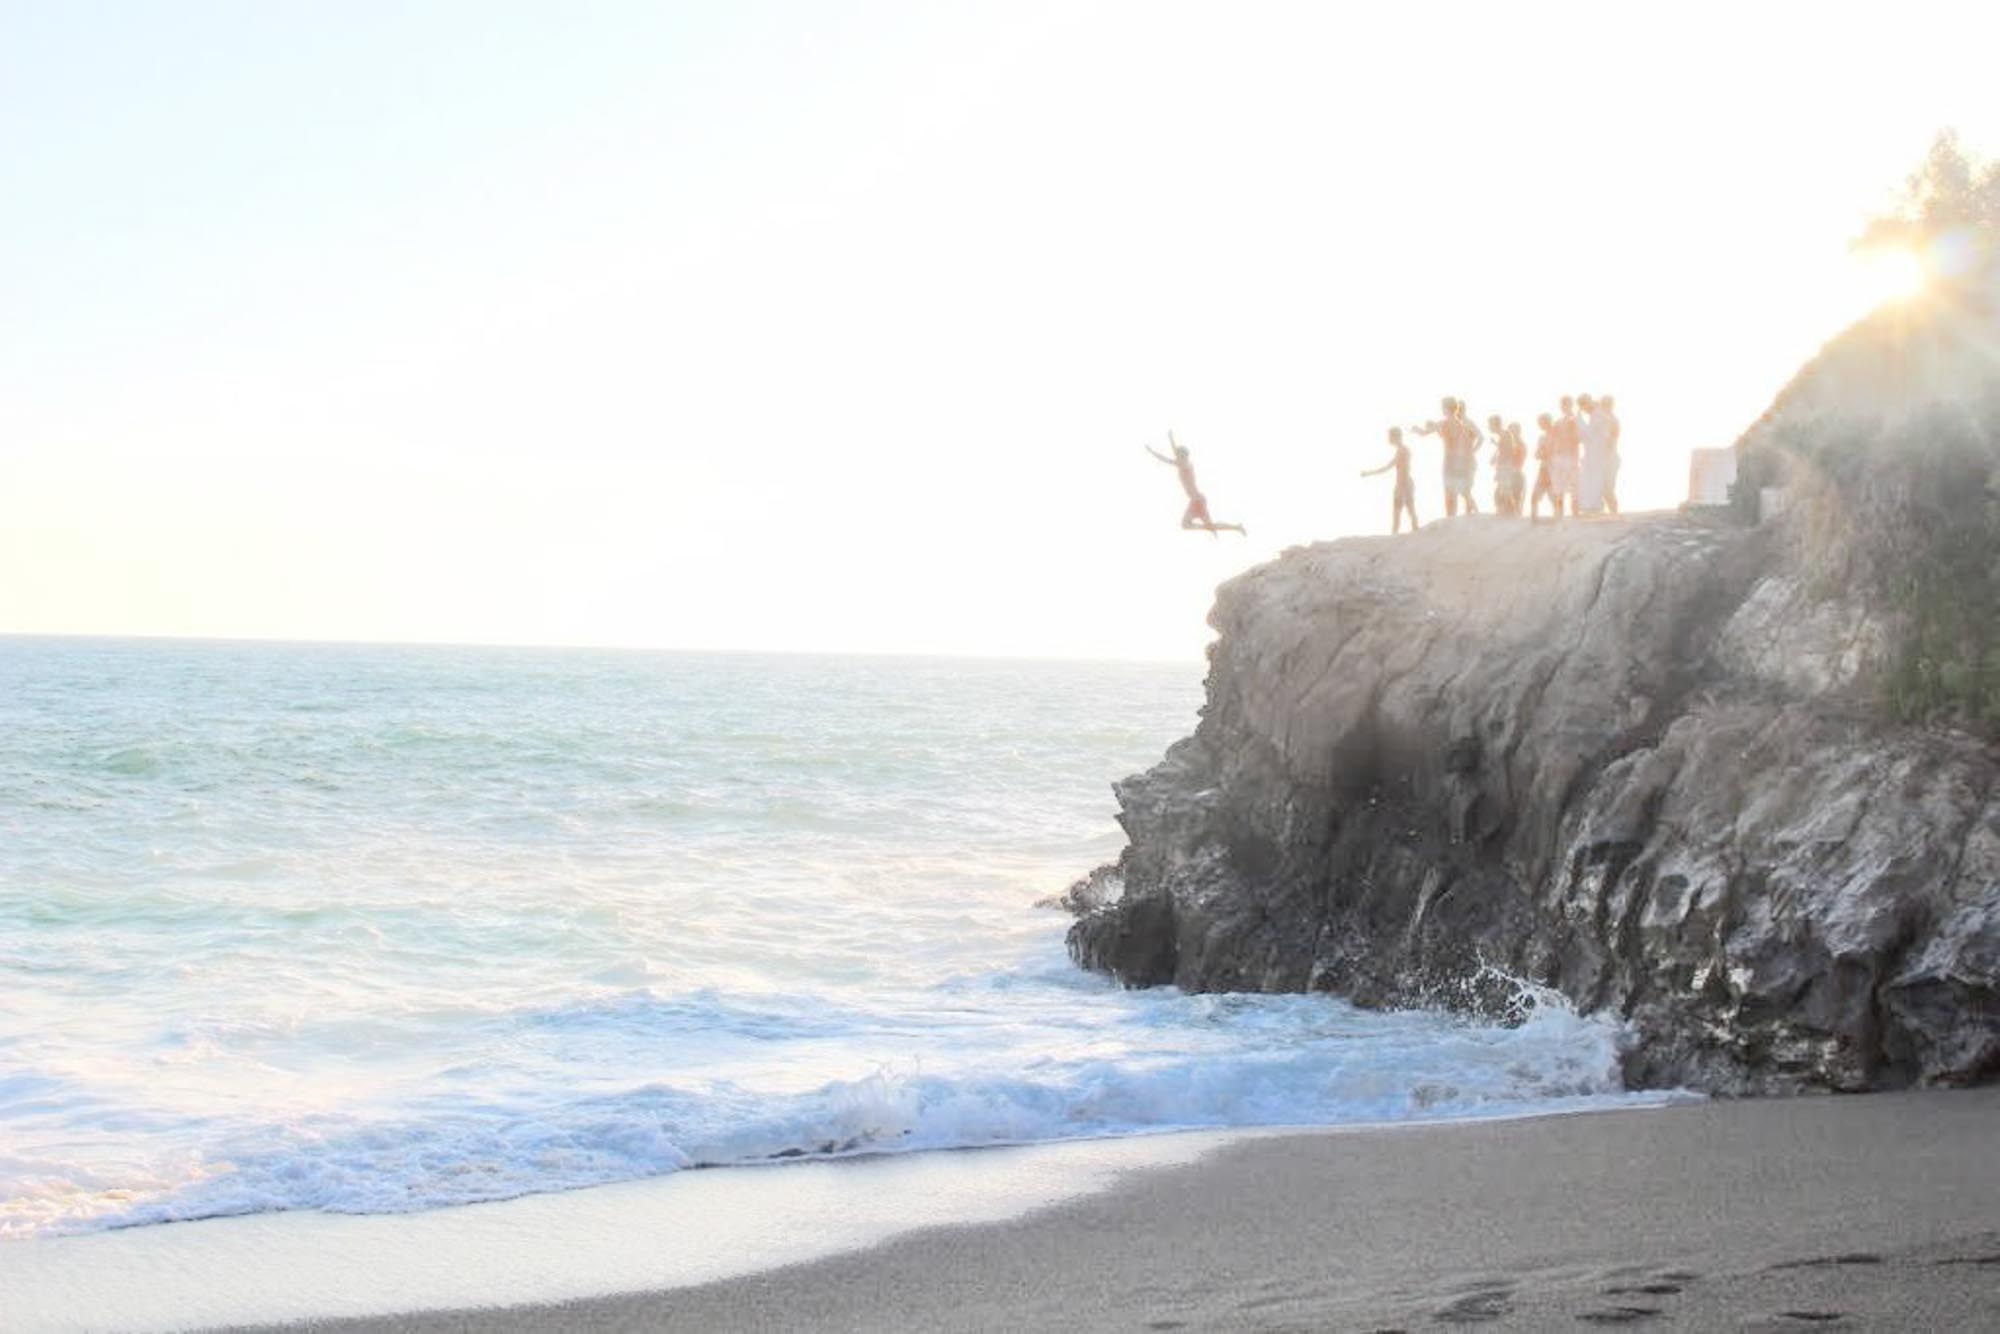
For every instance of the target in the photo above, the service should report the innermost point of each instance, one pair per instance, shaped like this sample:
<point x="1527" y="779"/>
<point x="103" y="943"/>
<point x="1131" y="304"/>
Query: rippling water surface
<point x="363" y="929"/>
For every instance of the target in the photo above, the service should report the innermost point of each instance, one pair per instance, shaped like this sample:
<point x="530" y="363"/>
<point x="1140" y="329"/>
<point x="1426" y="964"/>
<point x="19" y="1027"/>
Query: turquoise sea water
<point x="382" y="929"/>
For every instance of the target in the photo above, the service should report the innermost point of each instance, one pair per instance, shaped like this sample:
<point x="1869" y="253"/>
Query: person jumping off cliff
<point x="1196" y="515"/>
<point x="1406" y="486"/>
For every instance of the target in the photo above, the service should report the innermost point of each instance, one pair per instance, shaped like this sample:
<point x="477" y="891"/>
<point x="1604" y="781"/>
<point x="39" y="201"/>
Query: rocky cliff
<point x="1734" y="784"/>
<point x="1633" y="759"/>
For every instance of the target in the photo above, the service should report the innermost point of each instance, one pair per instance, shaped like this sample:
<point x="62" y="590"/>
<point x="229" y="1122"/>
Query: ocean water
<point x="374" y="929"/>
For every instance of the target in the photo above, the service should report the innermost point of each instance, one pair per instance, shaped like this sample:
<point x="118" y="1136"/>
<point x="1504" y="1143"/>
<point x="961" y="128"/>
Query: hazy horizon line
<point x="115" y="637"/>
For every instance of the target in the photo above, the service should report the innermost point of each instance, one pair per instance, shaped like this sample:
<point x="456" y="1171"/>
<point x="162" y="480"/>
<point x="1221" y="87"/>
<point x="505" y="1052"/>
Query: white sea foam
<point x="385" y="930"/>
<point x="667" y="1232"/>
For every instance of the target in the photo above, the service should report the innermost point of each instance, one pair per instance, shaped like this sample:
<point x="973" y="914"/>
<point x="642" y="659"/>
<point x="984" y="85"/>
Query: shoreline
<point x="1880" y="1210"/>
<point x="680" y="1229"/>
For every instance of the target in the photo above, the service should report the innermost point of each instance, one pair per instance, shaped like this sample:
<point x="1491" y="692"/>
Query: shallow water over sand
<point x="385" y="929"/>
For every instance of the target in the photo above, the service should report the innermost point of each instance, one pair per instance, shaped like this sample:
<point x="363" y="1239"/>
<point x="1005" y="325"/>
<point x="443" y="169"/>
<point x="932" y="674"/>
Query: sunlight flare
<point x="1892" y="273"/>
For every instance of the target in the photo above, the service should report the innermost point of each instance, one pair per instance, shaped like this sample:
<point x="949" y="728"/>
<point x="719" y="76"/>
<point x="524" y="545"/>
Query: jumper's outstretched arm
<point x="1161" y="457"/>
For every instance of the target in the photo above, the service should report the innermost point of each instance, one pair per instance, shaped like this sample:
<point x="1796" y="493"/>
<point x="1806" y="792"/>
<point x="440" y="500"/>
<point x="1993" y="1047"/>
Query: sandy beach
<point x="1876" y="1212"/>
<point x="987" y="667"/>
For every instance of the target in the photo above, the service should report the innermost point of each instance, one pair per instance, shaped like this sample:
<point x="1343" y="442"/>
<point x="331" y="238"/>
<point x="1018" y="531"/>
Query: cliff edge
<point x="1627" y="758"/>
<point x="1734" y="784"/>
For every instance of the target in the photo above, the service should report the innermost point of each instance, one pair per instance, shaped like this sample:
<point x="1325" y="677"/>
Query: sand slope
<point x="1854" y="1213"/>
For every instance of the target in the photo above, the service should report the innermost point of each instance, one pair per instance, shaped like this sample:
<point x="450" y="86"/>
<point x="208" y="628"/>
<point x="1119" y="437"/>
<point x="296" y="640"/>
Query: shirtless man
<point x="1545" y="481"/>
<point x="1564" y="460"/>
<point x="1460" y="438"/>
<point x="1406" y="486"/>
<point x="1196" y="514"/>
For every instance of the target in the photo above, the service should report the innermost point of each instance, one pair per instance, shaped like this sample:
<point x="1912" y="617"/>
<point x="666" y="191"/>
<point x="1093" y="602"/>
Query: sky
<point x="842" y="327"/>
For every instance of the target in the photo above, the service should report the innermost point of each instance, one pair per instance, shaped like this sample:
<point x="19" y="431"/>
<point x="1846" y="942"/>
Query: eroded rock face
<point x="1626" y="758"/>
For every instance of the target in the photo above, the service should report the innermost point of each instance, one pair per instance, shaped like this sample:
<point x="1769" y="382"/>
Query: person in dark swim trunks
<point x="1406" y="486"/>
<point x="1196" y="515"/>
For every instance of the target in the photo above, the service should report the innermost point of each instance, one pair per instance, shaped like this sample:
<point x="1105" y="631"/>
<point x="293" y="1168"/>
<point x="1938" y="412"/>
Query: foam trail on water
<point x="1185" y="1062"/>
<point x="379" y="930"/>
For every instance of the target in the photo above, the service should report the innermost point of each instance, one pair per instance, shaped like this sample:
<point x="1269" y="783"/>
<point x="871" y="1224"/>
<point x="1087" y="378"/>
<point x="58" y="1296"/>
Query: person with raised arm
<point x="1405" y="498"/>
<point x="1460" y="439"/>
<point x="1196" y="515"/>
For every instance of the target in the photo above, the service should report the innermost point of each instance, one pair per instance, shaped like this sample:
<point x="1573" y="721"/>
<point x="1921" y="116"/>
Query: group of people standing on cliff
<point x="1576" y="465"/>
<point x="1576" y="462"/>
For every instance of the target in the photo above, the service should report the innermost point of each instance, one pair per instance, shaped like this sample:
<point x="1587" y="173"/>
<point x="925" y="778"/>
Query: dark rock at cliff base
<point x="1632" y="759"/>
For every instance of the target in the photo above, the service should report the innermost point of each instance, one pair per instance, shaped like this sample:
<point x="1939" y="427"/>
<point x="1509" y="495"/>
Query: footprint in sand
<point x="1477" y="1307"/>
<point x="1824" y="1261"/>
<point x="1661" y="1283"/>
<point x="1619" y="1315"/>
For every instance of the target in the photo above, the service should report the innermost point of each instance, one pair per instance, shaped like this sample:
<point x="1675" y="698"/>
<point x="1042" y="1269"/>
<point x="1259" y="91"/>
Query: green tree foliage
<point x="1889" y="445"/>
<point x="1922" y="493"/>
<point x="1918" y="529"/>
<point x="1949" y="215"/>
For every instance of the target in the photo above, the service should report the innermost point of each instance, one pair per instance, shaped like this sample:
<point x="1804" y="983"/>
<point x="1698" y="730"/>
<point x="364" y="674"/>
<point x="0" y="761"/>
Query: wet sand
<point x="1875" y="1212"/>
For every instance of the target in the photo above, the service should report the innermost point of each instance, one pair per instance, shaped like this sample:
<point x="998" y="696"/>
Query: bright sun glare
<point x="1892" y="273"/>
